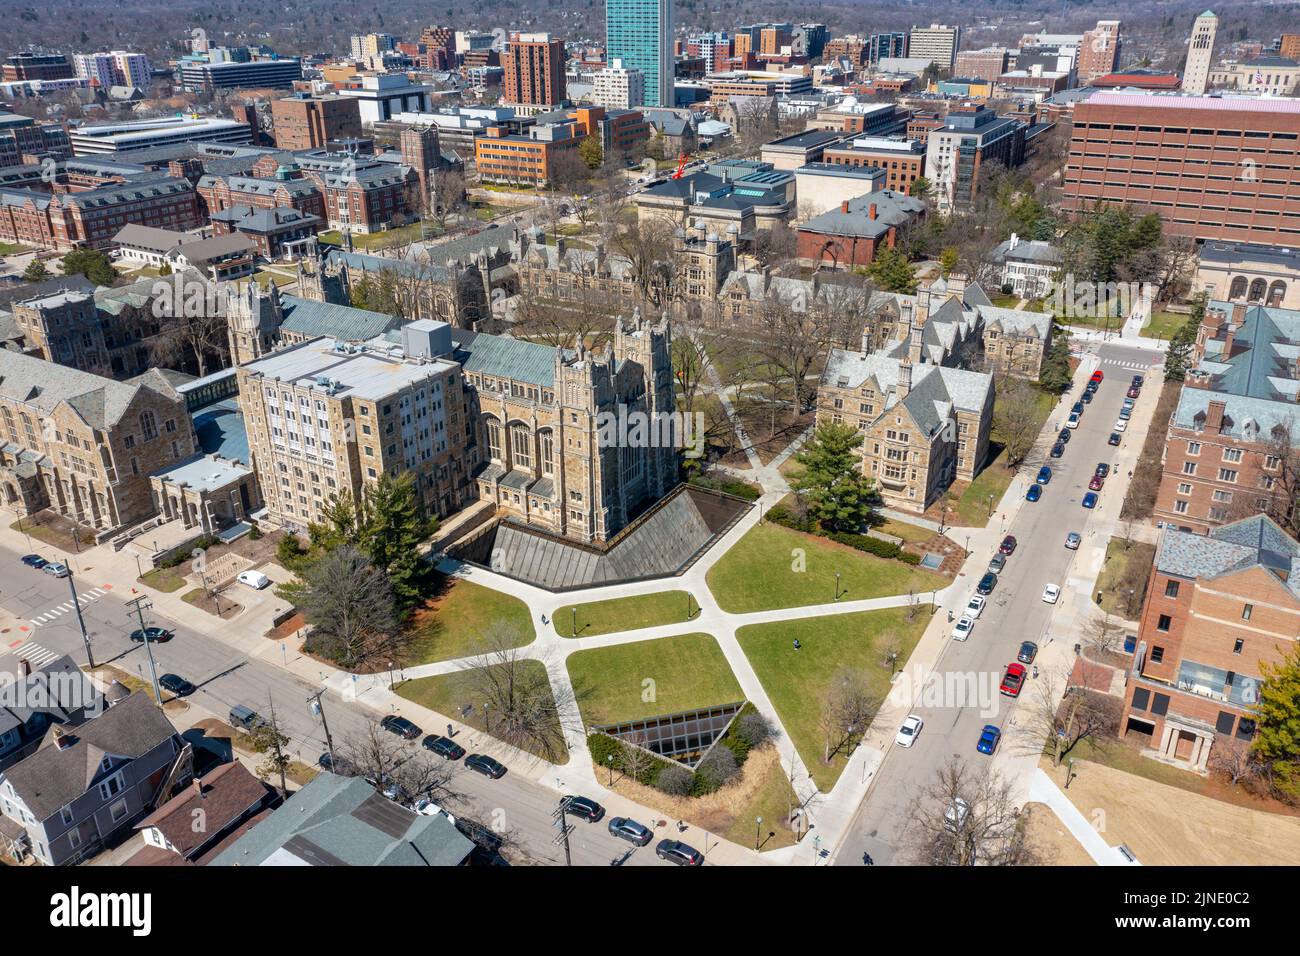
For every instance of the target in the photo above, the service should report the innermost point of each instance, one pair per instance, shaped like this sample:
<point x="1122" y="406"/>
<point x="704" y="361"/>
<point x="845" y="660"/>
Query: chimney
<point x="844" y="207"/>
<point x="914" y="355"/>
<point x="904" y="380"/>
<point x="62" y="739"/>
<point x="198" y="788"/>
<point x="1214" y="416"/>
<point x="25" y="667"/>
<point x="1013" y="242"/>
<point x="871" y="211"/>
<point x="1238" y="314"/>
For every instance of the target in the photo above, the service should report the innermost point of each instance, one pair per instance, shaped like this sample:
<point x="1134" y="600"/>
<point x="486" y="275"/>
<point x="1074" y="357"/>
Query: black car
<point x="1077" y="408"/>
<point x="340" y="765"/>
<point x="987" y="584"/>
<point x="1058" y="449"/>
<point x="400" y="726"/>
<point x="1087" y="398"/>
<point x="486" y="766"/>
<point x="154" y="635"/>
<point x="1028" y="651"/>
<point x="444" y="747"/>
<point x="1114" y="439"/>
<point x="176" y="684"/>
<point x="583" y="807"/>
<point x="630" y="830"/>
<point x="1138" y="381"/>
<point x="1064" y="436"/>
<point x="1103" y="469"/>
<point x="675" y="851"/>
<point x="34" y="561"/>
<point x="1092" y="386"/>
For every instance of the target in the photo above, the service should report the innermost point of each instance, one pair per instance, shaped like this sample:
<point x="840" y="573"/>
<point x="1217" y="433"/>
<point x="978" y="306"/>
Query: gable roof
<point x="1256" y="541"/>
<point x="343" y="322"/>
<point x="223" y="797"/>
<point x="44" y="385"/>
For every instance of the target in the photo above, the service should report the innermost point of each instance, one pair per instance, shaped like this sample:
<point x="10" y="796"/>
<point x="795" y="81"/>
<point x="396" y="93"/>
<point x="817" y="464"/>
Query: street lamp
<point x="990" y="506"/>
<point x="610" y="761"/>
<point x="837" y="585"/>
<point x="758" y="831"/>
<point x="390" y="675"/>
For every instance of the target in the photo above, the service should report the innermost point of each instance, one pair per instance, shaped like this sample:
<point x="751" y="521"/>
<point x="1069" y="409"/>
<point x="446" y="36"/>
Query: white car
<point x="1051" y="593"/>
<point x="975" y="607"/>
<point x="955" y="815"/>
<point x="1120" y="425"/>
<point x="910" y="730"/>
<point x="962" y="629"/>
<point x="253" y="579"/>
<point x="426" y="807"/>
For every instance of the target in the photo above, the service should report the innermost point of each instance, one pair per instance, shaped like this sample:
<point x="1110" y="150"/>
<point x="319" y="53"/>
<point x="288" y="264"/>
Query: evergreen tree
<point x="1277" y="741"/>
<point x="920" y="188"/>
<point x="391" y="530"/>
<point x="839" y="496"/>
<point x="1055" y="375"/>
<point x="591" y="151"/>
<point x="1182" y="341"/>
<point x="892" y="272"/>
<point x="36" y="271"/>
<point x="91" y="263"/>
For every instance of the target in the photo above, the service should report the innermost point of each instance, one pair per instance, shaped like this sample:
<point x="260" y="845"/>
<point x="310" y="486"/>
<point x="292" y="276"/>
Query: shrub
<point x="864" y="542"/>
<point x="730" y="486"/>
<point x="675" y="780"/>
<point x="780" y="514"/>
<point x="254" y="533"/>
<point x="716" y="770"/>
<point x="753" y="728"/>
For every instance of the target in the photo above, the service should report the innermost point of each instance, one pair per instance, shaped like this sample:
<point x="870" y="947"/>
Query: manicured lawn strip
<point x="164" y="579"/>
<point x="797" y="681"/>
<point x="973" y="503"/>
<point x="911" y="533"/>
<point x="1163" y="325"/>
<point x="772" y="801"/>
<point x="688" y="672"/>
<point x="624" y="614"/>
<point x="455" y="621"/>
<point x="762" y="572"/>
<point x="1112" y="572"/>
<point x="449" y="693"/>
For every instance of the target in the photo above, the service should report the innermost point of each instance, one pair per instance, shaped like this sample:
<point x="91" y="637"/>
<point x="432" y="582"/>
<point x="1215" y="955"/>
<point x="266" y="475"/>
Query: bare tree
<point x="386" y="762"/>
<point x="1015" y="417"/>
<point x="647" y="246"/>
<point x="969" y="818"/>
<point x="1234" y="759"/>
<point x="349" y="605"/>
<point x="1060" y="721"/>
<point x="588" y="316"/>
<point x="448" y="198"/>
<point x="848" y="708"/>
<point x="1102" y="634"/>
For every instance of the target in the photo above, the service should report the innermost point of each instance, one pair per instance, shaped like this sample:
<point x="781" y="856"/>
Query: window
<point x="1160" y="705"/>
<point x="1193" y="448"/>
<point x="1245" y="729"/>
<point x="111" y="787"/>
<point x="1189" y="468"/>
<point x="1227" y="474"/>
<point x="1157" y="655"/>
<point x="1141" y="698"/>
<point x="1232" y="454"/>
<point x="1171" y="589"/>
<point x="1163" y="623"/>
<point x="1237" y="646"/>
<point x="494" y="438"/>
<point x="118" y="811"/>
<point x="1246" y="611"/>
<point x="1224" y="724"/>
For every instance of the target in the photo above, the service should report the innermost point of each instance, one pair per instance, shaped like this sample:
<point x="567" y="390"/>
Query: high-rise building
<point x="1288" y="45"/>
<point x="886" y="44"/>
<point x="987" y="64"/>
<point x="313" y="122"/>
<point x="369" y="45"/>
<point x="1098" y="51"/>
<point x="639" y="32"/>
<point x="1200" y="53"/>
<point x="534" y="70"/>
<point x="937" y="43"/>
<point x="973" y="137"/>
<point x="118" y="68"/>
<point x="814" y="36"/>
<point x="618" y="88"/>
<point x="36" y="66"/>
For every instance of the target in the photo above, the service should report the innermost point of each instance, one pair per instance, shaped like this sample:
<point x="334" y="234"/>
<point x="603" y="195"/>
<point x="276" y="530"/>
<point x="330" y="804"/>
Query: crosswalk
<point x="1133" y="366"/>
<point x="34" y="654"/>
<point x="67" y="607"/>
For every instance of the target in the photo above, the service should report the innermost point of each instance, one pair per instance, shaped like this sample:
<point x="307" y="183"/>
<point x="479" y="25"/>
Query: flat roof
<point x="1182" y="101"/>
<point x="369" y="371"/>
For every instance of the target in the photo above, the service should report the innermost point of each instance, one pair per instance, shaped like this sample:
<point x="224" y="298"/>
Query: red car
<point x="1096" y="483"/>
<point x="1013" y="680"/>
<point x="1134" y="393"/>
<point x="1098" y="375"/>
<point x="1008" y="544"/>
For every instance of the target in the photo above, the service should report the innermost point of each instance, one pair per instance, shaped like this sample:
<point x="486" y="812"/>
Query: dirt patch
<point x="1050" y="837"/>
<point x="286" y="629"/>
<point x="54" y="529"/>
<point x="213" y="603"/>
<point x="258" y="550"/>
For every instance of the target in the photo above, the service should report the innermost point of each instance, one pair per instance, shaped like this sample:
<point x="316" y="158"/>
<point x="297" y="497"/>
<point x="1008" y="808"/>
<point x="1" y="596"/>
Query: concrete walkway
<point x="1042" y="789"/>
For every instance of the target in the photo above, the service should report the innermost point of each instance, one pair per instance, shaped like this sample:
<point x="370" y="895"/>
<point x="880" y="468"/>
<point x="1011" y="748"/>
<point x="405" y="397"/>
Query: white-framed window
<point x="117" y="811"/>
<point x="111" y="787"/>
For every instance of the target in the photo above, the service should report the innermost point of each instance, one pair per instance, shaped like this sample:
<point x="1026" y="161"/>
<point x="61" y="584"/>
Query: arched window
<point x="148" y="425"/>
<point x="1238" y="290"/>
<point x="546" y="439"/>
<point x="493" y="429"/>
<point x="1257" y="289"/>
<point x="521" y="445"/>
<point x="1276" y="292"/>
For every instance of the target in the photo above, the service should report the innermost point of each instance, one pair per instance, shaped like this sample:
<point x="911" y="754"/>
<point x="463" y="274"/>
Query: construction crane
<point x="681" y="167"/>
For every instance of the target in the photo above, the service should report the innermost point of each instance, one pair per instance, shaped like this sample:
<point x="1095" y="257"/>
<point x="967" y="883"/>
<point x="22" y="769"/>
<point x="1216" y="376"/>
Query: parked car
<point x="955" y="816"/>
<point x="675" y="851"/>
<point x="987" y="584"/>
<point x="427" y="808"/>
<point x="1028" y="651"/>
<point x="443" y="747"/>
<point x="1072" y="421"/>
<point x="335" y="764"/>
<point x="1087" y="396"/>
<point x="1058" y="450"/>
<point x="1064" y="436"/>
<point x="1051" y="593"/>
<point x="1077" y="408"/>
<point x="1102" y="469"/>
<point x="1128" y="403"/>
<point x="1091" y="388"/>
<point x="1034" y="493"/>
<point x="1121" y="425"/>
<point x="253" y="579"/>
<point x="961" y="630"/>
<point x="1090" y="500"/>
<point x="400" y="726"/>
<point x="1008" y="545"/>
<point x="909" y="731"/>
<point x="487" y="766"/>
<point x="1138" y="381"/>
<point x="1125" y="414"/>
<point x="176" y="685"/>
<point x="1073" y="540"/>
<point x="629" y="830"/>
<point x="1133" y="393"/>
<point x="989" y="738"/>
<point x="584" y="808"/>
<point x="34" y="561"/>
<point x="1044" y="475"/>
<point x="245" y="718"/>
<point x="997" y="563"/>
<point x="1098" y="375"/>
<point x="56" y="569"/>
<point x="154" y="635"/>
<point x="1013" y="680"/>
<point x="1114" y="439"/>
<point x="975" y="606"/>
<point x="1095" y="483"/>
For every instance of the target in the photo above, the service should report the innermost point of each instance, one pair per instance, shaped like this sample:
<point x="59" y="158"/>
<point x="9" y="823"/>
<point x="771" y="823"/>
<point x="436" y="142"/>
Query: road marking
<point x="36" y="654"/>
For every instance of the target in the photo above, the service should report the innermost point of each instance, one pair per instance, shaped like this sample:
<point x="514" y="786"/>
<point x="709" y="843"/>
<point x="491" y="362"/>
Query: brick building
<point x="1212" y="167"/>
<point x="854" y="233"/>
<point x="534" y="70"/>
<point x="313" y="122"/>
<point x="902" y="160"/>
<point x="972" y="137"/>
<point x="1218" y="605"/>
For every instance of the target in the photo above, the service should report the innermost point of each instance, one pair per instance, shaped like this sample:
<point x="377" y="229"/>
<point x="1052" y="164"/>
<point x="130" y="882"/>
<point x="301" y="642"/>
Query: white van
<point x="254" y="579"/>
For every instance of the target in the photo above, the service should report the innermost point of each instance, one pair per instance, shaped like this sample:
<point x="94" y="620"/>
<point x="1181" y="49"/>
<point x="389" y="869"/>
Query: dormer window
<point x="106" y="765"/>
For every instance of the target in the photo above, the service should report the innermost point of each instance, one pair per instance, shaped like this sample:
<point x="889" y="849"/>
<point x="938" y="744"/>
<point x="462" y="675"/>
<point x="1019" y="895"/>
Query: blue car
<point x="1090" y="500"/>
<point x="1044" y="475"/>
<point x="1035" y="492"/>
<point x="34" y="561"/>
<point x="989" y="738"/>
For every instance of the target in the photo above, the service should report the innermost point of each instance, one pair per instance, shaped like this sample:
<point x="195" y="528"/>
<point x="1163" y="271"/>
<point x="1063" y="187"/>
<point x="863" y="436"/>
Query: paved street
<point x="1015" y="612"/>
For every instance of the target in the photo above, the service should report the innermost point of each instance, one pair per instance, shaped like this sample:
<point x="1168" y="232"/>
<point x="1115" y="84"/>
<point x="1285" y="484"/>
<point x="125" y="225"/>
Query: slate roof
<point x="935" y="389"/>
<point x="42" y="691"/>
<point x="892" y="209"/>
<point x="1240" y="412"/>
<point x="1222" y="251"/>
<point x="258" y="220"/>
<point x="51" y="778"/>
<point x="1027" y="250"/>
<point x="343" y="322"/>
<point x="496" y="355"/>
<point x="1265" y="355"/>
<point x="1250" y="542"/>
<point x="342" y="821"/>
<point x="43" y="385"/>
<point x="1017" y="321"/>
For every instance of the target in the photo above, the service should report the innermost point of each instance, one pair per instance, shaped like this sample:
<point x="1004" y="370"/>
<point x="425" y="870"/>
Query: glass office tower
<point x="640" y="33"/>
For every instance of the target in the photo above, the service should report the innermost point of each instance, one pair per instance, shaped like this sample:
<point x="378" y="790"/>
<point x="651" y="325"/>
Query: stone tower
<point x="253" y="318"/>
<point x="1200" y="53"/>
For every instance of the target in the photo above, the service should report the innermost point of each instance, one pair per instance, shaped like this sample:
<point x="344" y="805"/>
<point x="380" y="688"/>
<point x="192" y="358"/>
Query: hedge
<point x="730" y="486"/>
<point x="779" y="514"/>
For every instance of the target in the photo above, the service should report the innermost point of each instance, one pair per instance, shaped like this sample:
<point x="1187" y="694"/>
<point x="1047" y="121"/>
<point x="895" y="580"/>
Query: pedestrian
<point x="867" y="860"/>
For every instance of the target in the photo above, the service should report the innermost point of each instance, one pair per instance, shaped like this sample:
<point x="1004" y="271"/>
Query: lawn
<point x="625" y="614"/>
<point x="12" y="249"/>
<point x="910" y="533"/>
<point x="972" y="503"/>
<point x="450" y="694"/>
<point x="649" y="678"/>
<point x="164" y="579"/>
<point x="1140" y="556"/>
<point x="796" y="681"/>
<point x="457" y="617"/>
<point x="774" y="567"/>
<point x="1163" y="325"/>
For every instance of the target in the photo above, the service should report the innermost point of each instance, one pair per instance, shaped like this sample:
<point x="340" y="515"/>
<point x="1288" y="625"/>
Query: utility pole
<point x="140" y="605"/>
<point x="276" y="739"/>
<point x="81" y="622"/>
<point x="562" y="822"/>
<point x="317" y="707"/>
